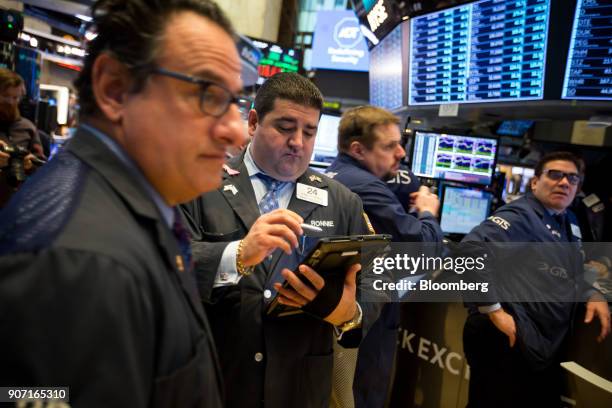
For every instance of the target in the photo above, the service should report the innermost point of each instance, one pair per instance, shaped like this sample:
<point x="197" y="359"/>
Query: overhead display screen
<point x="386" y="72"/>
<point x="275" y="59"/>
<point x="588" y="74"/>
<point x="338" y="43"/>
<point x="487" y="51"/>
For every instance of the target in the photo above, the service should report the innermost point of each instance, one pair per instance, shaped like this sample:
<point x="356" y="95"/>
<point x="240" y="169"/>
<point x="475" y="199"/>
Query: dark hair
<point x="289" y="86"/>
<point x="9" y="79"/>
<point x="130" y="31"/>
<point x="357" y="124"/>
<point x="565" y="156"/>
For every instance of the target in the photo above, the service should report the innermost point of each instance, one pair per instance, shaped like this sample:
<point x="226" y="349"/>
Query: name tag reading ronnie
<point x="311" y="194"/>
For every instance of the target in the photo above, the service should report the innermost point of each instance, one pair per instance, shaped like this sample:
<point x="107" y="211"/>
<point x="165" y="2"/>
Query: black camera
<point x="16" y="170"/>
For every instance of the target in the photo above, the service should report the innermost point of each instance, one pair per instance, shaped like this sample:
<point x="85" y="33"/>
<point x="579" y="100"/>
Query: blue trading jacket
<point x="386" y="213"/>
<point x="547" y="266"/>
<point x="388" y="216"/>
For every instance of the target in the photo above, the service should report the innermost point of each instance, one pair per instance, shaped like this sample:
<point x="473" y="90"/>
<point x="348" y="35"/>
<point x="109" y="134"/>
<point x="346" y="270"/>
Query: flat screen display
<point x="486" y="51"/>
<point x="326" y="142"/>
<point x="275" y="59"/>
<point x="468" y="159"/>
<point x="337" y="42"/>
<point x="588" y="74"/>
<point x="377" y="18"/>
<point x="463" y="208"/>
<point x="515" y="128"/>
<point x="386" y="73"/>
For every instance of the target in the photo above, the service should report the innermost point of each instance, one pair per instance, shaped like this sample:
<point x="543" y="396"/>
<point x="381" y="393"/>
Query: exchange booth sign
<point x="338" y="43"/>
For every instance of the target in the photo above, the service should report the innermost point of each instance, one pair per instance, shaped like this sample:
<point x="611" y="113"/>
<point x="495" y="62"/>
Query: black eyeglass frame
<point x="240" y="100"/>
<point x="569" y="176"/>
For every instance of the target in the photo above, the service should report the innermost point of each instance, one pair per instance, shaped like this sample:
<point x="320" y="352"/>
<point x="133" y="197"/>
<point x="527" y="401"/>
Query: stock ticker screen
<point x="386" y="72"/>
<point x="467" y="159"/>
<point x="588" y="74"/>
<point x="463" y="208"/>
<point x="487" y="51"/>
<point x="275" y="59"/>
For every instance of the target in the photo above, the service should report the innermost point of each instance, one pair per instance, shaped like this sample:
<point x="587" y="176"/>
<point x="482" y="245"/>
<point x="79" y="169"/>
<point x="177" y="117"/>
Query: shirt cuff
<point x="489" y="308"/>
<point x="226" y="272"/>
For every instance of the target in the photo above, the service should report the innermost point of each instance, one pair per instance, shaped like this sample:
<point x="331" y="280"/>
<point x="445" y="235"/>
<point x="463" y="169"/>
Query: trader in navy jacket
<point x="514" y="347"/>
<point x="370" y="154"/>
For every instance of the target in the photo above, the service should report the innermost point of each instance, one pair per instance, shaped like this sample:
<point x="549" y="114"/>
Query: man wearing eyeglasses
<point x="96" y="284"/>
<point x="514" y="347"/>
<point x="16" y="132"/>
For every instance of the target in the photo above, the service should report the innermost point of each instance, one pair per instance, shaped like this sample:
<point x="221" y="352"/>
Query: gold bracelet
<point x="241" y="268"/>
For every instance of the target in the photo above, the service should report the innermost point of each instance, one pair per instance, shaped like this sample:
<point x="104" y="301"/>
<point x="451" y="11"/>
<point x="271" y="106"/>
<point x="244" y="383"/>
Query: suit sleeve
<point x="73" y="316"/>
<point x="206" y="255"/>
<point x="371" y="310"/>
<point x="388" y="215"/>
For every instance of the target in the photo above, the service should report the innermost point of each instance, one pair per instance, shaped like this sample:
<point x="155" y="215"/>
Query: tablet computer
<point x="331" y="257"/>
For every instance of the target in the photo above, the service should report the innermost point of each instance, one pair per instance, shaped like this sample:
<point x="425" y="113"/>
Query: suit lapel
<point x="173" y="255"/>
<point x="238" y="191"/>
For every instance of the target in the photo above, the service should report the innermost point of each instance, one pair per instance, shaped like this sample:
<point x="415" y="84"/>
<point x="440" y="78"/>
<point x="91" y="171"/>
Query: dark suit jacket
<point x="91" y="294"/>
<point x="271" y="362"/>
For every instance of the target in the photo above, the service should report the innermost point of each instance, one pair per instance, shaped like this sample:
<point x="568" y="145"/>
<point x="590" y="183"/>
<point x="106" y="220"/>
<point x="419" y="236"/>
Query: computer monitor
<point x="326" y="142"/>
<point x="516" y="128"/>
<point x="463" y="208"/>
<point x="517" y="180"/>
<point x="588" y="73"/>
<point x="468" y="159"/>
<point x="484" y="51"/>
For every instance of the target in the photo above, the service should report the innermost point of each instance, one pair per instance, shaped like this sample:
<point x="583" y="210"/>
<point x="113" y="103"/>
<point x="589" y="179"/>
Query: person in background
<point x="370" y="151"/>
<point x="514" y="348"/>
<point x="96" y="279"/>
<point x="20" y="145"/>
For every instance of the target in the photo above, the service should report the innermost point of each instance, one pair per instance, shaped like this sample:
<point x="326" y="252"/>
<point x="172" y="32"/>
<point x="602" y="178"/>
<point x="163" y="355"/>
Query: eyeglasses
<point x="215" y="99"/>
<point x="557" y="175"/>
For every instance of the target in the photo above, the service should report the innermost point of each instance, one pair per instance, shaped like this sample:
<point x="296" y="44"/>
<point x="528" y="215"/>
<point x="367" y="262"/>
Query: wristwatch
<point x="354" y="323"/>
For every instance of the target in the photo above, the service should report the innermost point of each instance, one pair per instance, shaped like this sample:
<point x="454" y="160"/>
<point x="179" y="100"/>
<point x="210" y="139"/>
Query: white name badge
<point x="576" y="231"/>
<point x="311" y="194"/>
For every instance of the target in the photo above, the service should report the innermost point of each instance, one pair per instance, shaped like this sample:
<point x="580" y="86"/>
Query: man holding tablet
<point x="239" y="233"/>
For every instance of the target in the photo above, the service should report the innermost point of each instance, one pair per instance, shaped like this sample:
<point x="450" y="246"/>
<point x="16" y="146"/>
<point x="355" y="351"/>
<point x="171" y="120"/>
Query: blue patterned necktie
<point x="183" y="238"/>
<point x="269" y="201"/>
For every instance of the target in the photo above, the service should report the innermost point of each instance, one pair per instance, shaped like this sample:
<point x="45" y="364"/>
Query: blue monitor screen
<point x="588" y="74"/>
<point x="386" y="72"/>
<point x="326" y="142"/>
<point x="514" y="127"/>
<point x="338" y="42"/>
<point x="469" y="159"/>
<point x="486" y="51"/>
<point x="463" y="209"/>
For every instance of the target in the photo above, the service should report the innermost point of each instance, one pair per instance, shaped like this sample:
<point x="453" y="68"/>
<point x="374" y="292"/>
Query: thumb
<point x="351" y="275"/>
<point x="589" y="314"/>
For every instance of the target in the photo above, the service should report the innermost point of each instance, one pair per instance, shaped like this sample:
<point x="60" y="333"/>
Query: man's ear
<point x="533" y="182"/>
<point x="356" y="150"/>
<point x="111" y="82"/>
<point x="253" y="121"/>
